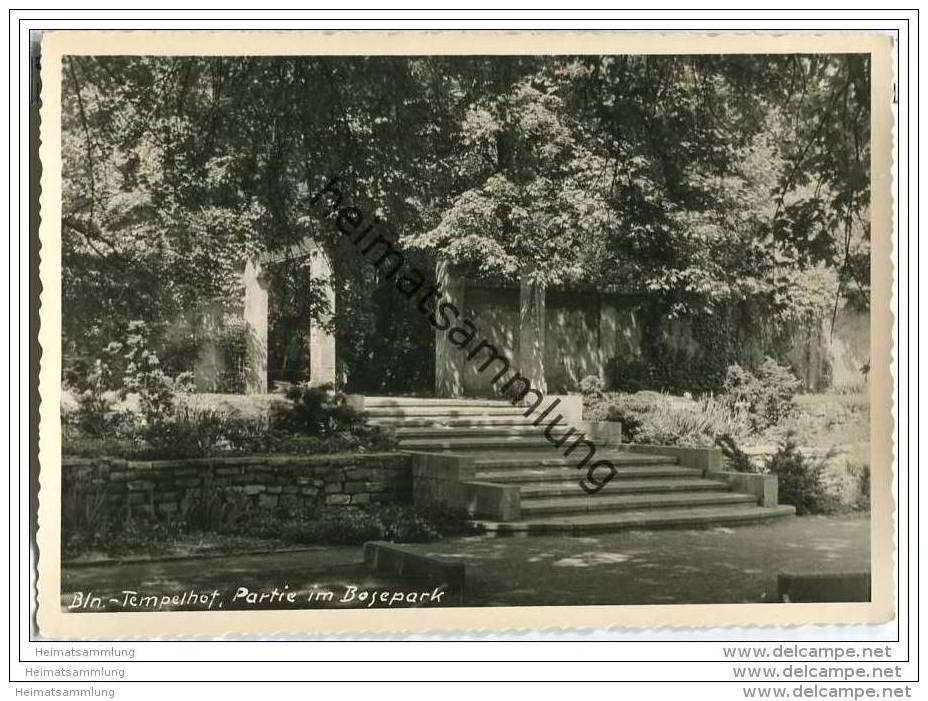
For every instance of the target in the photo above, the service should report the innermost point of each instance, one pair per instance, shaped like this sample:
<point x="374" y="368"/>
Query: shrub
<point x="631" y="422"/>
<point x="859" y="470"/>
<point x="801" y="479"/>
<point x="316" y="410"/>
<point x="346" y="525"/>
<point x="738" y="460"/>
<point x="210" y="509"/>
<point x="515" y="389"/>
<point x="767" y="394"/>
<point x="592" y="385"/>
<point x="653" y="418"/>
<point x="354" y="525"/>
<point x="83" y="513"/>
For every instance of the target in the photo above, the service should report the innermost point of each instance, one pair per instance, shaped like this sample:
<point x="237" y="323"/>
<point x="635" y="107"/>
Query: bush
<point x="767" y="394"/>
<point x="801" y="479"/>
<point x="315" y="421"/>
<point x="83" y="513"/>
<point x="353" y="525"/>
<point x="516" y="388"/>
<point x="211" y="509"/>
<point x="659" y="419"/>
<point x="631" y="423"/>
<point x="346" y="525"/>
<point x="592" y="385"/>
<point x="738" y="460"/>
<point x="859" y="471"/>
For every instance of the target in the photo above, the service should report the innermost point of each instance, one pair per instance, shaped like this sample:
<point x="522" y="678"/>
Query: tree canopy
<point x="699" y="180"/>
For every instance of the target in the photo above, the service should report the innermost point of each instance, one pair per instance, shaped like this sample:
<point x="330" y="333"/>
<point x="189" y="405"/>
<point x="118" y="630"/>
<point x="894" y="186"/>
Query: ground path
<point x="716" y="565"/>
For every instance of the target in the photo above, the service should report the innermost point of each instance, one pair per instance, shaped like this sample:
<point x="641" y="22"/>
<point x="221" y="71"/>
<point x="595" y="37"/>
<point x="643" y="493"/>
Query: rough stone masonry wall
<point x="164" y="486"/>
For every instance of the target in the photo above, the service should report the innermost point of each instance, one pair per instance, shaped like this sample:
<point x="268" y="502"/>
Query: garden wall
<point x="164" y="486"/>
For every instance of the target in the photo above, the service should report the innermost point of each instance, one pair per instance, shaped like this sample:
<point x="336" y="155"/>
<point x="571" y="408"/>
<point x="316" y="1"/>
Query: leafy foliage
<point x="592" y="385"/>
<point x="654" y="418"/>
<point x="801" y="480"/>
<point x="700" y="181"/>
<point x="766" y="394"/>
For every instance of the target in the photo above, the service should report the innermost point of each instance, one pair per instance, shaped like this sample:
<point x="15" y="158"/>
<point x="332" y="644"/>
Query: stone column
<point x="255" y="318"/>
<point x="449" y="359"/>
<point x="608" y="336"/>
<point x="321" y="339"/>
<point x="532" y="322"/>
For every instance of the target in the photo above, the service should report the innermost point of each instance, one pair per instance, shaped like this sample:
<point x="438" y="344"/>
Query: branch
<point x="87" y="134"/>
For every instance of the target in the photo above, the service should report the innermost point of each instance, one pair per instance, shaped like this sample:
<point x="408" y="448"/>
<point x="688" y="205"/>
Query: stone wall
<point x="165" y="486"/>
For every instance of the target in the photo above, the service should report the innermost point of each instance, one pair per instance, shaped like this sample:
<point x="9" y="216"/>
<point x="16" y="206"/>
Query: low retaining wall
<point x="705" y="459"/>
<point x="399" y="561"/>
<point x="449" y="479"/>
<point x="163" y="486"/>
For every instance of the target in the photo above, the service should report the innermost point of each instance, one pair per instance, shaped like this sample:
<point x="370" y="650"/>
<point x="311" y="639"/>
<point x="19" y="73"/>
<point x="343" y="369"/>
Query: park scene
<point x="511" y="330"/>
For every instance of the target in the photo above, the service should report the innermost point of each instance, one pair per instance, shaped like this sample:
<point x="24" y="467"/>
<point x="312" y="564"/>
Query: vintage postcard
<point x="362" y="332"/>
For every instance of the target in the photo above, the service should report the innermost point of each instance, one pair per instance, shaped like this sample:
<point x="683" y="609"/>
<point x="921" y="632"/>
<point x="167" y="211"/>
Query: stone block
<point x="764" y="487"/>
<point x="496" y="501"/>
<point x="361" y="499"/>
<point x="253" y="489"/>
<point x="334" y="488"/>
<point x="167" y="507"/>
<point x="396" y="561"/>
<point x="358" y="487"/>
<point x="228" y="471"/>
<point x="355" y="401"/>
<point x="338" y="499"/>
<point x="820" y="587"/>
<point x="440" y="466"/>
<point x="140" y="485"/>
<point x="571" y="407"/>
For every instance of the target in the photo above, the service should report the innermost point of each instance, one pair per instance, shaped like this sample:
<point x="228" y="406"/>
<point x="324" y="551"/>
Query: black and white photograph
<point x="381" y="330"/>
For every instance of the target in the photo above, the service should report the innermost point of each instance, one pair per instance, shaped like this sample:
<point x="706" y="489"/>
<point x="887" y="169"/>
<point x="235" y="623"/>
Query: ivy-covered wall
<point x="633" y="344"/>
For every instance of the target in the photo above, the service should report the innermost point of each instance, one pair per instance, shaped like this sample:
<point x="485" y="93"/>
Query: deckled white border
<point x="53" y="623"/>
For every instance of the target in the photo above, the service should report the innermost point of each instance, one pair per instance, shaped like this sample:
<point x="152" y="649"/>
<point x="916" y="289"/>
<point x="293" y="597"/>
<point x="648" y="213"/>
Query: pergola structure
<point x="321" y="339"/>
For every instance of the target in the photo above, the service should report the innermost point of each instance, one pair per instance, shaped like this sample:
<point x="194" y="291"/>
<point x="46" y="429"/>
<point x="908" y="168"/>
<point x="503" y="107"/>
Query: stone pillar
<point x="449" y="359"/>
<point x="532" y="322"/>
<point x="255" y="318"/>
<point x="321" y="339"/>
<point x="608" y="336"/>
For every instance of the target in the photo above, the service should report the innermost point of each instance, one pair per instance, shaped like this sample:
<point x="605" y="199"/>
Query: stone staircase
<point x="649" y="491"/>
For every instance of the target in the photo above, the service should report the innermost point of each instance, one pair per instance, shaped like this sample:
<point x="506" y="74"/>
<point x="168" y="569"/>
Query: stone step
<point x="438" y="432"/>
<point x="545" y="490"/>
<point x="476" y="443"/>
<point x="448" y="422"/>
<point x="552" y="457"/>
<point x="693" y="517"/>
<point x="585" y="503"/>
<point x="564" y="473"/>
<point x="380" y="402"/>
<point x="387" y="413"/>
